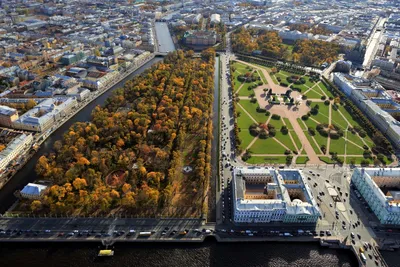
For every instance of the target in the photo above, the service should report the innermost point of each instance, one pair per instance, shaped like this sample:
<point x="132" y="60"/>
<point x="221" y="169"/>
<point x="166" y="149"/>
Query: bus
<point x="144" y="234"/>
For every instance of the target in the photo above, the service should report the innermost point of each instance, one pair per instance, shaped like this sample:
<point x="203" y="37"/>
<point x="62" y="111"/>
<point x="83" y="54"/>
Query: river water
<point x="208" y="253"/>
<point x="174" y="254"/>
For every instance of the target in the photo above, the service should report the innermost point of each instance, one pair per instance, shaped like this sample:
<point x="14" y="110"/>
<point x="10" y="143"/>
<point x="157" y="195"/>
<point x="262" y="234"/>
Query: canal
<point x="163" y="36"/>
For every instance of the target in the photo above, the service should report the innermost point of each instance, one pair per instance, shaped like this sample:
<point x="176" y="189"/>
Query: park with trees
<point x="146" y="152"/>
<point x="270" y="45"/>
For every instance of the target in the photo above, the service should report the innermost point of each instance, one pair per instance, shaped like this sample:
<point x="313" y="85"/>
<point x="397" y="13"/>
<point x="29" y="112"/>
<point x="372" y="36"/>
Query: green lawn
<point x="352" y="149"/>
<point x="283" y="77"/>
<point x="348" y="116"/>
<point x="303" y="87"/>
<point x="252" y="109"/>
<point x="337" y="145"/>
<point x="277" y="123"/>
<point x="266" y="160"/>
<point x="274" y="79"/>
<point x="312" y="94"/>
<point x="354" y="138"/>
<point x="245" y="90"/>
<point x="285" y="139"/>
<point x="313" y="144"/>
<point x="310" y="123"/>
<point x="239" y="69"/>
<point x="261" y="74"/>
<point x="323" y="113"/>
<point x="288" y="124"/>
<point x="327" y="160"/>
<point x="287" y="73"/>
<point x="244" y="123"/>
<point x="358" y="160"/>
<point x="296" y="139"/>
<point x="266" y="146"/>
<point x="323" y="88"/>
<point x="308" y="82"/>
<point x="319" y="138"/>
<point x="338" y="120"/>
<point x="302" y="160"/>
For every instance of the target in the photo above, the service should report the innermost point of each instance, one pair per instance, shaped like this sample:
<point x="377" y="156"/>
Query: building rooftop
<point x="279" y="185"/>
<point x="33" y="189"/>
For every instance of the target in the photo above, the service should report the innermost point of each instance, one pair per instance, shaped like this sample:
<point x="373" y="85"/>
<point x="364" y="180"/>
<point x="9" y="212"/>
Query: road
<point x="227" y="142"/>
<point x="347" y="216"/>
<point x="373" y="43"/>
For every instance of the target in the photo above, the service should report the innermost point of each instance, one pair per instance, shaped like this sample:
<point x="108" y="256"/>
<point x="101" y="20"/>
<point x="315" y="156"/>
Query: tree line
<point x="271" y="45"/>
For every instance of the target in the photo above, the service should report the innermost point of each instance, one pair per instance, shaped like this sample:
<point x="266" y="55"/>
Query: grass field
<point x="285" y="139"/>
<point x="337" y="145"/>
<point x="244" y="122"/>
<point x="327" y="160"/>
<point x="252" y="109"/>
<point x="277" y="123"/>
<point x="312" y="94"/>
<point x="266" y="160"/>
<point x="288" y="124"/>
<point x="338" y="120"/>
<point x="267" y="146"/>
<point x="263" y="79"/>
<point x="323" y="113"/>
<point x="322" y="86"/>
<point x="296" y="140"/>
<point x="352" y="149"/>
<point x="308" y="82"/>
<point x="302" y="160"/>
<point x="354" y="138"/>
<point x="358" y="160"/>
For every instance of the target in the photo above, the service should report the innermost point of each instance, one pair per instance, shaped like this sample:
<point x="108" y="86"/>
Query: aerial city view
<point x="200" y="133"/>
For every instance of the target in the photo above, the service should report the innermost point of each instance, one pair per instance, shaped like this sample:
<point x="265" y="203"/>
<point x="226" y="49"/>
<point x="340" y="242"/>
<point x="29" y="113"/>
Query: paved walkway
<point x="313" y="158"/>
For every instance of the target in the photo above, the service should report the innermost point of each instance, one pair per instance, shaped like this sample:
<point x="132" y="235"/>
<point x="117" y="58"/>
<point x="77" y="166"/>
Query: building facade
<point x="381" y="190"/>
<point x="201" y="38"/>
<point x="14" y="149"/>
<point x="7" y="116"/>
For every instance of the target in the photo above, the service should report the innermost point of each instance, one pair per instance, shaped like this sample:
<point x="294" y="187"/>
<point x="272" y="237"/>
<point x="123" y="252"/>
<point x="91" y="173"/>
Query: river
<point x="177" y="254"/>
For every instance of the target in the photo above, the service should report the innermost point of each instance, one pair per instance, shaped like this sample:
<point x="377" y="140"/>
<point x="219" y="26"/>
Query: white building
<point x="43" y="116"/>
<point x="33" y="191"/>
<point x="380" y="187"/>
<point x="263" y="195"/>
<point x="294" y="35"/>
<point x="215" y="19"/>
<point x="14" y="149"/>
